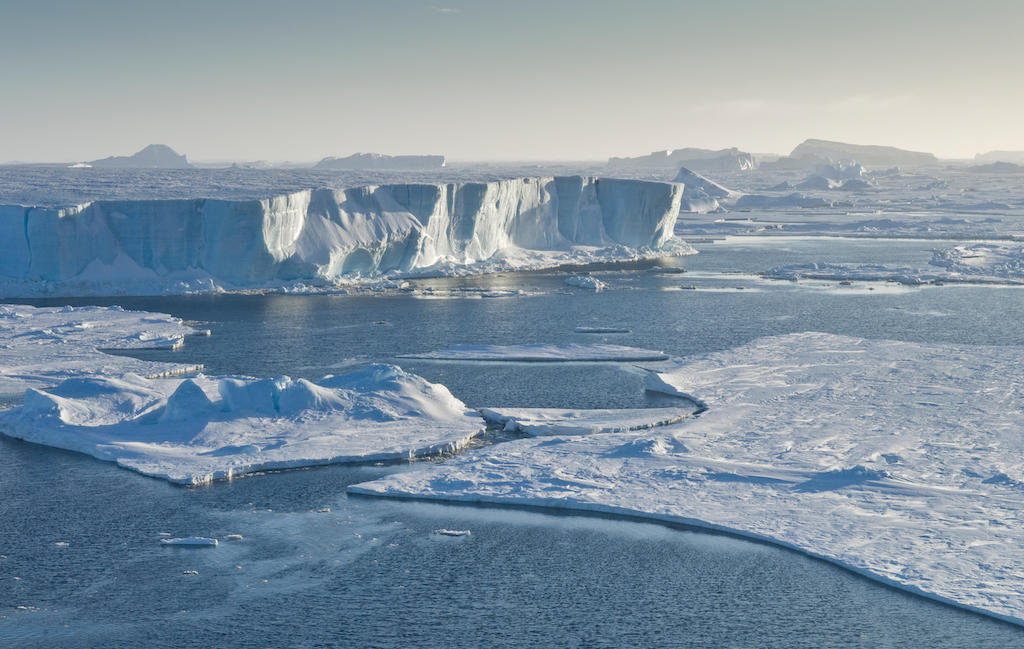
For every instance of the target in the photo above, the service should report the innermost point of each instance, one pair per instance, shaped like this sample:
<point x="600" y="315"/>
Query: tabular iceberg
<point x="166" y="246"/>
<point x="900" y="461"/>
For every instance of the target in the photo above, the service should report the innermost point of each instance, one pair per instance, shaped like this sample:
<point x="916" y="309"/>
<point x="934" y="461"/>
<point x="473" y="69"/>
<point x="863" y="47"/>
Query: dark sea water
<point x="81" y="563"/>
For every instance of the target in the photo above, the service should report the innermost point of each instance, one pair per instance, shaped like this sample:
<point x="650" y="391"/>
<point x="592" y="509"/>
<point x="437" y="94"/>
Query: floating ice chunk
<point x="601" y="330"/>
<point x="44" y="345"/>
<point x="191" y="541"/>
<point x="542" y="353"/>
<point x="556" y="421"/>
<point x="243" y="425"/>
<point x="900" y="461"/>
<point x="586" y="281"/>
<point x="447" y="532"/>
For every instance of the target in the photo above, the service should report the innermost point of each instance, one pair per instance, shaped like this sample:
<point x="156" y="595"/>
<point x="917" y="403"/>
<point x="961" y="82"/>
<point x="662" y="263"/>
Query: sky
<point x="516" y="80"/>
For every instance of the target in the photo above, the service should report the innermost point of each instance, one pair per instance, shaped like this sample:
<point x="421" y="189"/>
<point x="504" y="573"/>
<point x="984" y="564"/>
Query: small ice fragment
<point x="191" y="541"/>
<point x="190" y="572"/>
<point x="324" y="510"/>
<point x="586" y="281"/>
<point x="601" y="330"/>
<point x="233" y="537"/>
<point x="61" y="544"/>
<point x="447" y="532"/>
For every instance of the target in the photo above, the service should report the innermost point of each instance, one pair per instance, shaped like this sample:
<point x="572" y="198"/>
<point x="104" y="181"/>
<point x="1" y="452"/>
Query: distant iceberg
<point x="380" y="161"/>
<point x="325" y="235"/>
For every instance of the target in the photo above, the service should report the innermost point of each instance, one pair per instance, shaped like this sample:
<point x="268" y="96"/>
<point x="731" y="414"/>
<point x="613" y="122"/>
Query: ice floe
<point x="42" y="346"/>
<point x="586" y="281"/>
<point x="985" y="260"/>
<point x="900" y="461"/>
<point x="990" y="268"/>
<point x="201" y="429"/>
<point x="556" y="421"/>
<point x="541" y="352"/>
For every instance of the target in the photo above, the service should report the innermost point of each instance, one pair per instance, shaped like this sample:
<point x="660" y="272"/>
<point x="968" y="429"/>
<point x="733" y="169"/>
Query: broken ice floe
<point x="196" y="430"/>
<point x="541" y="353"/>
<point x="900" y="461"/>
<point x="42" y="346"/>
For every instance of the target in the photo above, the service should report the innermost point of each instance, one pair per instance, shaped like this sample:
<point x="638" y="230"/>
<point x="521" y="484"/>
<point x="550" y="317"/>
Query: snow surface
<point x="42" y="346"/>
<point x="556" y="421"/>
<point x="900" y="461"/>
<point x="325" y="235"/>
<point x="984" y="260"/>
<point x="201" y="429"/>
<point x="542" y="352"/>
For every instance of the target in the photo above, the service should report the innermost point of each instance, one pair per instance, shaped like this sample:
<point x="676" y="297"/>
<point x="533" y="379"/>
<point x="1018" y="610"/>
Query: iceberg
<point x="542" y="353"/>
<point x="197" y="430"/>
<point x="868" y="154"/>
<point x="899" y="461"/>
<point x="381" y="161"/>
<point x="326" y="235"/>
<point x="586" y="281"/>
<point x="42" y="346"/>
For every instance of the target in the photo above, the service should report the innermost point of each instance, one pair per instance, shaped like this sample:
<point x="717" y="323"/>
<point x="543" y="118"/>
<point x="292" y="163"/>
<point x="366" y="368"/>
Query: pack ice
<point x="41" y="346"/>
<point x="900" y="461"/>
<point x="176" y="246"/>
<point x="196" y="430"/>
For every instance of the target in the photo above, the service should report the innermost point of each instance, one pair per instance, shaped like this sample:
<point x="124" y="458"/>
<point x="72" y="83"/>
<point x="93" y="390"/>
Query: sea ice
<point x="196" y="430"/>
<point x="965" y="267"/>
<point x="556" y="421"/>
<point x="586" y="281"/>
<point x="601" y="330"/>
<point x="191" y="541"/>
<point x="42" y="346"/>
<point x="900" y="461"/>
<point x="541" y="352"/>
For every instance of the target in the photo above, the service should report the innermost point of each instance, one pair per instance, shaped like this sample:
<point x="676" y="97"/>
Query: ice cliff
<point x="326" y="234"/>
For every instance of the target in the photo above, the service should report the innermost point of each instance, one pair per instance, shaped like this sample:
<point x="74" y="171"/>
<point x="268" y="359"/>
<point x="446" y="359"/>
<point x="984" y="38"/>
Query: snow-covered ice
<point x="557" y="421"/>
<point x="987" y="267"/>
<point x="542" y="352"/>
<point x="900" y="461"/>
<point x="42" y="346"/>
<point x="201" y="429"/>
<point x="586" y="281"/>
<point x="983" y="260"/>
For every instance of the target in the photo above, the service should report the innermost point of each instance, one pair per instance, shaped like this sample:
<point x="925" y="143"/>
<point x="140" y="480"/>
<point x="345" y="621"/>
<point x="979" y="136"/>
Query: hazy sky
<point x="268" y="79"/>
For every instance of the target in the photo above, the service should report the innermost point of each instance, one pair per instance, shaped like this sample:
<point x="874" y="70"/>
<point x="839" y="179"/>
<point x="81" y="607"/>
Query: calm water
<point x="369" y="573"/>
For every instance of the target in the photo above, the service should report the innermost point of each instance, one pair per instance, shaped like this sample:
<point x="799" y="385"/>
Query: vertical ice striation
<point x="327" y="233"/>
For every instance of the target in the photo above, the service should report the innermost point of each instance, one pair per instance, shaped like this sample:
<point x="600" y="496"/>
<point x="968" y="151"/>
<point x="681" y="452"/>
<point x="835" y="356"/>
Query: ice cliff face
<point x="327" y="234"/>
